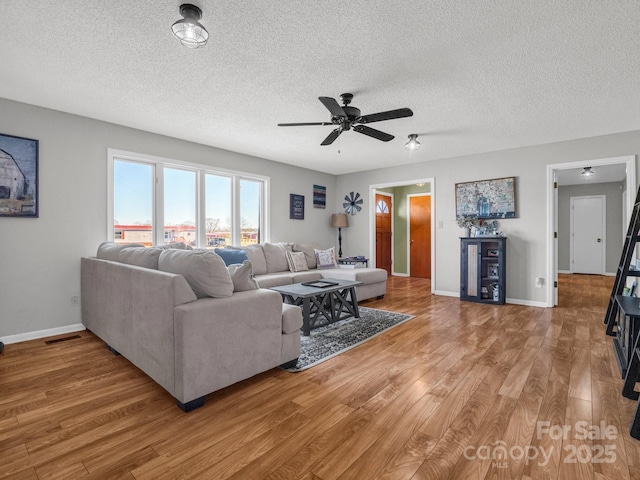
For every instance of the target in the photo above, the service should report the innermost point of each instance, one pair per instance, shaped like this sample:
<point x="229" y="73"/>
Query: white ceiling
<point x="480" y="76"/>
<point x="601" y="174"/>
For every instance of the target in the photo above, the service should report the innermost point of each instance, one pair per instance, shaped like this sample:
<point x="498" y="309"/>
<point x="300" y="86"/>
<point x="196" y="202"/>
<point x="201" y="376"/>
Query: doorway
<point x="588" y="234"/>
<point x="384" y="233"/>
<point x="419" y="225"/>
<point x="558" y="244"/>
<point x="401" y="230"/>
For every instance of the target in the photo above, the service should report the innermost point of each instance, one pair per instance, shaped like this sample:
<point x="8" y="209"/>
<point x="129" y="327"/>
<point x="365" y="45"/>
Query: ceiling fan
<point x="346" y="117"/>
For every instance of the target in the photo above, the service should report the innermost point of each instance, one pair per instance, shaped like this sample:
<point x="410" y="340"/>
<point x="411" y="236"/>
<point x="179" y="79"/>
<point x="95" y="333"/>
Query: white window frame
<point x="158" y="164"/>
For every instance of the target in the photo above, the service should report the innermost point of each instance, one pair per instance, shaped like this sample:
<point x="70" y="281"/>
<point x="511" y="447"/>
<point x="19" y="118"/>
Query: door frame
<point x="409" y="195"/>
<point x="372" y="219"/>
<point x="604" y="230"/>
<point x="552" y="210"/>
<point x="392" y="211"/>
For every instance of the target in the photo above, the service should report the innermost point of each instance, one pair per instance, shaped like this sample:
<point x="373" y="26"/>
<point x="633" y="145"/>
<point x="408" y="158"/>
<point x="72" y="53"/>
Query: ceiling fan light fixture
<point x="188" y="30"/>
<point x="413" y="143"/>
<point x="587" y="172"/>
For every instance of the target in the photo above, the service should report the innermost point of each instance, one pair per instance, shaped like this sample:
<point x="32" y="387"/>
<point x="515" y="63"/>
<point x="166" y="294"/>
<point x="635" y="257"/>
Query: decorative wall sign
<point x="296" y="206"/>
<point x="319" y="196"/>
<point x="352" y="203"/>
<point x="18" y="176"/>
<point x="487" y="198"/>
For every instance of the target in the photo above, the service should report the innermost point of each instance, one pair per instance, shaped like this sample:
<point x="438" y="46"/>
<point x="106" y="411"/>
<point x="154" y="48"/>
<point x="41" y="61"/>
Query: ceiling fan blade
<point x="332" y="136"/>
<point x="333" y="106"/>
<point x="372" y="132"/>
<point x="389" y="115"/>
<point x="303" y="124"/>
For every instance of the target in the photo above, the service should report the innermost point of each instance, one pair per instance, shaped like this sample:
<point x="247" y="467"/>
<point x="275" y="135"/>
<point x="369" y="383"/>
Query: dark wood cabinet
<point x="483" y="269"/>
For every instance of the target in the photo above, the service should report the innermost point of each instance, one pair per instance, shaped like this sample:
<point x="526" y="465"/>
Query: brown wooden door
<point x="420" y="236"/>
<point x="383" y="232"/>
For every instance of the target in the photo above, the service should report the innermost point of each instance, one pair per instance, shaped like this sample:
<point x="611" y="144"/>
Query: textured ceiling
<point x="479" y="76"/>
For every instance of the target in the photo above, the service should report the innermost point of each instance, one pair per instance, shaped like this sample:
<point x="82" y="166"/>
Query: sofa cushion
<point x="291" y="318"/>
<point x="242" y="277"/>
<point x="255" y="254"/>
<point x="309" y="252"/>
<point x="275" y="255"/>
<point x="326" y="258"/>
<point x="203" y="270"/>
<point x="297" y="261"/>
<point x="269" y="280"/>
<point x="308" y="276"/>
<point x="111" y="250"/>
<point x="141" y="256"/>
<point x="231" y="256"/>
<point x="176" y="245"/>
<point x="364" y="275"/>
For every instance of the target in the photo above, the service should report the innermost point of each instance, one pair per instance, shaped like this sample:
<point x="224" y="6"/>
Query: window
<point x="157" y="201"/>
<point x="218" y="210"/>
<point x="382" y="207"/>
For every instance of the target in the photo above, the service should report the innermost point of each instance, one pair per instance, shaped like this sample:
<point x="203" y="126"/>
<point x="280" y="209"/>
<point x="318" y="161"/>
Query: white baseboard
<point x="396" y="274"/>
<point x="527" y="303"/>
<point x="606" y="274"/>
<point x="23" y="337"/>
<point x="444" y="293"/>
<point x="515" y="301"/>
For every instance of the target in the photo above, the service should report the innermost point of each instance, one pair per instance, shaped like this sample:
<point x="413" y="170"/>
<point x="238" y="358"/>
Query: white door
<point x="587" y="234"/>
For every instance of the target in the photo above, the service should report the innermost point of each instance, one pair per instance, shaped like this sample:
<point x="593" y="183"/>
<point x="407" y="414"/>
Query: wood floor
<point x="434" y="398"/>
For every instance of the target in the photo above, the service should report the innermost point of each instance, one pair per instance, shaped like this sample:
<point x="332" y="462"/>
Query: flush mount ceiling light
<point x="188" y="30"/>
<point x="412" y="144"/>
<point x="587" y="172"/>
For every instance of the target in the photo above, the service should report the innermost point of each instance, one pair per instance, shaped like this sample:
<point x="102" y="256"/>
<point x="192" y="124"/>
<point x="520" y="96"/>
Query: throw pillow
<point x="204" y="271"/>
<point x="242" y="277"/>
<point x="255" y="254"/>
<point x="308" y="249"/>
<point x="326" y="258"/>
<point x="232" y="257"/>
<point x="297" y="261"/>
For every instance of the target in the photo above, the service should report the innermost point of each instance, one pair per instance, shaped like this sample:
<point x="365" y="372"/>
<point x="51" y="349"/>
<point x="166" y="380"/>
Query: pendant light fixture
<point x="188" y="30"/>
<point x="587" y="172"/>
<point x="412" y="144"/>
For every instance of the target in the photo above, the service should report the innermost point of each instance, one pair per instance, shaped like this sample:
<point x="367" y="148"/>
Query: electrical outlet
<point x="440" y="224"/>
<point x="75" y="300"/>
<point x="539" y="282"/>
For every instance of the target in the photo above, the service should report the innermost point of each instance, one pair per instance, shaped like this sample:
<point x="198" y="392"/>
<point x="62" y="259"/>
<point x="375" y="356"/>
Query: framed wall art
<point x="319" y="196"/>
<point x="18" y="176"/>
<point x="485" y="199"/>
<point x="296" y="206"/>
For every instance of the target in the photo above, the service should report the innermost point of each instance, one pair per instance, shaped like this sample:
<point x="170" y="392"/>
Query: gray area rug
<point x="330" y="340"/>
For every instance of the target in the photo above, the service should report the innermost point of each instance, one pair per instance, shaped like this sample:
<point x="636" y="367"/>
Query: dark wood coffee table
<point x="330" y="298"/>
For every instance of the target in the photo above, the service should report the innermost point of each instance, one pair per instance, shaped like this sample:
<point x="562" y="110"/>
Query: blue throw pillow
<point x="231" y="256"/>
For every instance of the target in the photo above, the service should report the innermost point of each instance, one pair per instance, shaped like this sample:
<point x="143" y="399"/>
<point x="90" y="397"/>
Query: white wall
<point x="40" y="258"/>
<point x="526" y="245"/>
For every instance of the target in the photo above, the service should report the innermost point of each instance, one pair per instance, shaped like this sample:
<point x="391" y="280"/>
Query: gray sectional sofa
<point x="271" y="269"/>
<point x="196" y="325"/>
<point x="190" y="346"/>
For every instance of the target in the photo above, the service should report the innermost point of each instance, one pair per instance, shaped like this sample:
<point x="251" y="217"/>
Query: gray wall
<point x="614" y="228"/>
<point x="40" y="258"/>
<point x="527" y="237"/>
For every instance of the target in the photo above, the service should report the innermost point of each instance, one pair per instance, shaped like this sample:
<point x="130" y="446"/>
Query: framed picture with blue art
<point x="495" y="198"/>
<point x="18" y="176"/>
